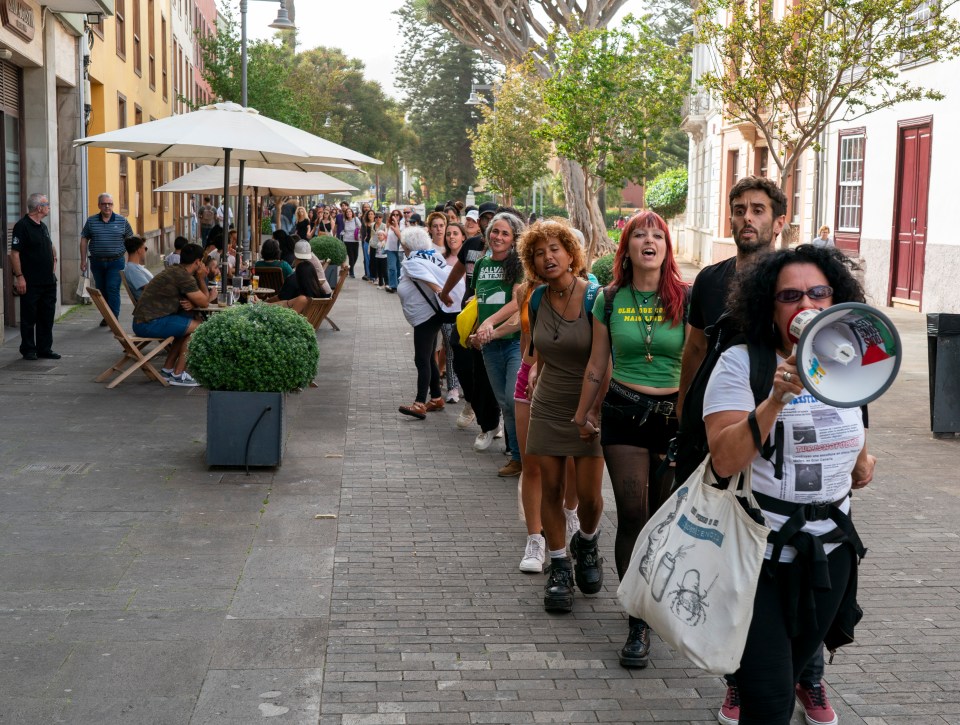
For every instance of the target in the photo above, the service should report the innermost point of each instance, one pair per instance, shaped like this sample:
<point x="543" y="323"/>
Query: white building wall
<point x="940" y="292"/>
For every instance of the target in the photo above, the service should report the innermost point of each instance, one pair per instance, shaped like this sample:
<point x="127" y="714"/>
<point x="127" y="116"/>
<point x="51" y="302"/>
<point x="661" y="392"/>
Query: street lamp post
<point x="282" y="22"/>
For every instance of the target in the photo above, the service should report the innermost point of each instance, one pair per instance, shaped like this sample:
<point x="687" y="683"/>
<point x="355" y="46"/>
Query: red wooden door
<point x="913" y="181"/>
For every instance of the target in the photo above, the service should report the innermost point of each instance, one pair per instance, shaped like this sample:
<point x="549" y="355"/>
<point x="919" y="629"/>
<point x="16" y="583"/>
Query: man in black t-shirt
<point x="758" y="211"/>
<point x="34" y="262"/>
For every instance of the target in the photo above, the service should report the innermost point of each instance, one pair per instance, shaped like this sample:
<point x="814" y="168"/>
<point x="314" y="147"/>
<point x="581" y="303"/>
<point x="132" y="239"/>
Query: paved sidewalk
<point x="140" y="587"/>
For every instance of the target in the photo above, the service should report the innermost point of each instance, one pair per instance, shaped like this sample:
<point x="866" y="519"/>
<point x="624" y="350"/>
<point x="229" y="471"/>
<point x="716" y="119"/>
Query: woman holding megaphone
<point x="805" y="456"/>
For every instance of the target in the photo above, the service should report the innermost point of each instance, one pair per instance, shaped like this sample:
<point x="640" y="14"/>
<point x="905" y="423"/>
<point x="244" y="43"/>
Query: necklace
<point x="565" y="290"/>
<point x="563" y="315"/>
<point x="646" y="323"/>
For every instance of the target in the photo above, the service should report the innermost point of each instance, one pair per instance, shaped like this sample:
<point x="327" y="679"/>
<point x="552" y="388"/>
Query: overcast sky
<point x="364" y="29"/>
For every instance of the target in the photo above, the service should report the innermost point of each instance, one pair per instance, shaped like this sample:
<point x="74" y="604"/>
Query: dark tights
<point x="630" y="475"/>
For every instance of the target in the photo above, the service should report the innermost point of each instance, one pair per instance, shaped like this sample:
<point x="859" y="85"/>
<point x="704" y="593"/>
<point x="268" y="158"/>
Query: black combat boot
<point x="589" y="564"/>
<point x="558" y="593"/>
<point x="636" y="651"/>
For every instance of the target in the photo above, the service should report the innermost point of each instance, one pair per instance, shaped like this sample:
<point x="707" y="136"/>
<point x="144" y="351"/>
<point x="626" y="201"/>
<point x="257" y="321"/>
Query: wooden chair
<point x="319" y="307"/>
<point x="135" y="354"/>
<point x="126" y="286"/>
<point x="270" y="277"/>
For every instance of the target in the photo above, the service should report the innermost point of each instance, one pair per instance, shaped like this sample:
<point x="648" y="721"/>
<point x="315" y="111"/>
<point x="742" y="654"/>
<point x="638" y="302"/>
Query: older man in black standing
<point x="34" y="262"/>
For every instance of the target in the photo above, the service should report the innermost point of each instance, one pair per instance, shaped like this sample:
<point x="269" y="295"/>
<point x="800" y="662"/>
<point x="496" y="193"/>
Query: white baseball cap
<point x="302" y="250"/>
<point x="473" y="214"/>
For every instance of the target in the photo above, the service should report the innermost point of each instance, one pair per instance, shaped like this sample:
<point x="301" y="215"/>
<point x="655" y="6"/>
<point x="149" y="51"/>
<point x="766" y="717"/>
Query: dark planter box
<point x="233" y="416"/>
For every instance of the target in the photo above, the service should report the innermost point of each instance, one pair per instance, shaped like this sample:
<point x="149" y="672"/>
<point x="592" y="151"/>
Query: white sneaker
<point x="466" y="417"/>
<point x="483" y="441"/>
<point x="499" y="431"/>
<point x="453" y="396"/>
<point x="532" y="561"/>
<point x="183" y="380"/>
<point x="573" y="523"/>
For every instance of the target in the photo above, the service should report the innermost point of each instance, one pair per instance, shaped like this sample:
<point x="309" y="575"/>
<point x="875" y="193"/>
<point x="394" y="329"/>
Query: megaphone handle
<point x="787" y="397"/>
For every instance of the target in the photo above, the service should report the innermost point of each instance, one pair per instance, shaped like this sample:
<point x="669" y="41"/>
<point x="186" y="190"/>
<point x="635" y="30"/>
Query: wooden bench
<point x="135" y="349"/>
<point x="319" y="308"/>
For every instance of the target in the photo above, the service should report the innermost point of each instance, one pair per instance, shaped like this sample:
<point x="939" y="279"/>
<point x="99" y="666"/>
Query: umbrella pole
<point x="258" y="223"/>
<point x="224" y="264"/>
<point x="242" y="216"/>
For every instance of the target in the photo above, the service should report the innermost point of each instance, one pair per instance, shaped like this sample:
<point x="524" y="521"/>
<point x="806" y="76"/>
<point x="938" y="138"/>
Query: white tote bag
<point x="694" y="570"/>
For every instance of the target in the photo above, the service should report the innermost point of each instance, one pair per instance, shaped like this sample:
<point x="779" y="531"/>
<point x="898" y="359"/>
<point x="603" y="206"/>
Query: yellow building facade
<point x="130" y="84"/>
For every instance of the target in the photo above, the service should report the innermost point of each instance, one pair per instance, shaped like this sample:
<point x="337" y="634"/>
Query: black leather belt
<point x="106" y="259"/>
<point x="663" y="407"/>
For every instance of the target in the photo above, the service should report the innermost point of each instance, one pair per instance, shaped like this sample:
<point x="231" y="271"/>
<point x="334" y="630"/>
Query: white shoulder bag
<point x="694" y="570"/>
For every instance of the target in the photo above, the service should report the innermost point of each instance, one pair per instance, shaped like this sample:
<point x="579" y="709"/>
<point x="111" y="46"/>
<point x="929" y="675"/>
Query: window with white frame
<point x="850" y="181"/>
<point x="917" y="22"/>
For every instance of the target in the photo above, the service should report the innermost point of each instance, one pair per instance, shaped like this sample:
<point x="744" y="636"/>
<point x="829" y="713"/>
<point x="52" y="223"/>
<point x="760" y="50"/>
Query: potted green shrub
<point x="603" y="269"/>
<point x="331" y="251"/>
<point x="249" y="357"/>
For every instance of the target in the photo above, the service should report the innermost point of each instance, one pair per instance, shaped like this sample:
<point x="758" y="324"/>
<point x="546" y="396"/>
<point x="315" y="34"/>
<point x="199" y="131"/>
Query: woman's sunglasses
<point x="820" y="292"/>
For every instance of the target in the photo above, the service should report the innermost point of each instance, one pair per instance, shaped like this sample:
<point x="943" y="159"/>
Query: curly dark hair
<point x="750" y="300"/>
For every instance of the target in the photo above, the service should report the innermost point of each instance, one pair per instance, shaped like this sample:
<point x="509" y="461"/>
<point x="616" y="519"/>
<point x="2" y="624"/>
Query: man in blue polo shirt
<point x="102" y="237"/>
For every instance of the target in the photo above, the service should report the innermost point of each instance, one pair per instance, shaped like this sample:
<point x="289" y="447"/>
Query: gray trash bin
<point x="943" y="356"/>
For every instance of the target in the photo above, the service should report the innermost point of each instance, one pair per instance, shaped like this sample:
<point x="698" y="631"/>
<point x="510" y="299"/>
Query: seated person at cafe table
<point x="303" y="252"/>
<point x="135" y="273"/>
<point x="299" y="288"/>
<point x="164" y="310"/>
<point x="270" y="257"/>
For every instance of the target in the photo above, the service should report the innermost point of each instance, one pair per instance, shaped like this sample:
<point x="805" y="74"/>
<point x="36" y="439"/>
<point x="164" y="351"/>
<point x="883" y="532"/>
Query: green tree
<point x="435" y="72"/>
<point x="509" y="151"/>
<point x="268" y="68"/>
<point x="790" y="75"/>
<point x="321" y="91"/>
<point x="517" y="31"/>
<point x="612" y="95"/>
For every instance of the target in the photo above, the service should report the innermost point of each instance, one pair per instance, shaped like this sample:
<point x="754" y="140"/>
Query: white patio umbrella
<point x="227" y="132"/>
<point x="266" y="181"/>
<point x="288" y="166"/>
<point x="257" y="181"/>
<point x="224" y="131"/>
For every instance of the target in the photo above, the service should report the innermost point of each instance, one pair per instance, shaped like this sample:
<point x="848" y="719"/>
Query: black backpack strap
<point x="763" y="365"/>
<point x="609" y="292"/>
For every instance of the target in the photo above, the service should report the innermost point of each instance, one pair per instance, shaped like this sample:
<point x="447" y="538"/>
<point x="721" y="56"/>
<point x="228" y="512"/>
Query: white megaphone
<point x="847" y="355"/>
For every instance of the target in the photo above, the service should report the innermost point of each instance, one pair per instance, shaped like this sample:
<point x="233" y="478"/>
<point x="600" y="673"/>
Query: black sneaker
<point x="558" y="593"/>
<point x="589" y="563"/>
<point x="636" y="651"/>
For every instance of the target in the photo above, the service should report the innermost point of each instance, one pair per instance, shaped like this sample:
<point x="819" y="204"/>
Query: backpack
<point x="208" y="215"/>
<point x="537" y="297"/>
<point x="690" y="447"/>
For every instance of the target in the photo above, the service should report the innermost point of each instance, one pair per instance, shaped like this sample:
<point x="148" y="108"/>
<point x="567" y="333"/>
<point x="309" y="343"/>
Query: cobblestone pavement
<point x="141" y="587"/>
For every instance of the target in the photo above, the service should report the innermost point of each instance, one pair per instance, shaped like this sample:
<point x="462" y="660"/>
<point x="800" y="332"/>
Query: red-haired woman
<point x="646" y="329"/>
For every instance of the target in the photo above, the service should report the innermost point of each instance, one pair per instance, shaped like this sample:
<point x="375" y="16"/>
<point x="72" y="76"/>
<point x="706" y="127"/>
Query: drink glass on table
<point x="255" y="281"/>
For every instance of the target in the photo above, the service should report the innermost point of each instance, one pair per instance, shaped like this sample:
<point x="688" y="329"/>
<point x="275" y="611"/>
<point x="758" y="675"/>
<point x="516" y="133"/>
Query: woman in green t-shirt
<point x="495" y="280"/>
<point x="646" y="327"/>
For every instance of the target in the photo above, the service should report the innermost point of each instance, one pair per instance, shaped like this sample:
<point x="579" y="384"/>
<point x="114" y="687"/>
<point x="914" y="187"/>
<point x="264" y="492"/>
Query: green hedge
<point x="254" y="348"/>
<point x="667" y="194"/>
<point x="603" y="269"/>
<point x="331" y="248"/>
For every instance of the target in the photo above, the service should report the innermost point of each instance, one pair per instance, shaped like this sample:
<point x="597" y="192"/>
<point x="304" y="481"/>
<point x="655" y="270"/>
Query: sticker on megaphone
<point x="828" y="341"/>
